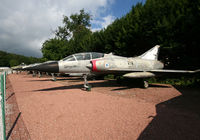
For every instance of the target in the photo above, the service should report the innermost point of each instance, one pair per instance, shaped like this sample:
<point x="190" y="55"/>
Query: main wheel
<point x="146" y="84"/>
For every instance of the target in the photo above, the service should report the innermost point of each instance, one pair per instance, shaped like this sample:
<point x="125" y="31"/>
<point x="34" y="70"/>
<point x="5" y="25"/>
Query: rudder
<point x="151" y="54"/>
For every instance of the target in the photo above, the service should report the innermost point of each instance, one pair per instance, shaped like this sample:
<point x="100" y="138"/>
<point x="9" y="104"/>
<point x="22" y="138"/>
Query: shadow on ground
<point x="78" y="86"/>
<point x="100" y="83"/>
<point x="58" y="79"/>
<point x="178" y="118"/>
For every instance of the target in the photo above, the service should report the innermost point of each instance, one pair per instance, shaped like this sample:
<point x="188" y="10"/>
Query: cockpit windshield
<point x="97" y="55"/>
<point x="79" y="57"/>
<point x="82" y="56"/>
<point x="69" y="58"/>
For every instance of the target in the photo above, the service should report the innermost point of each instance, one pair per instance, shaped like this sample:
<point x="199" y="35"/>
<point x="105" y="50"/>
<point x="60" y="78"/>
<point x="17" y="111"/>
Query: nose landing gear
<point x="86" y="86"/>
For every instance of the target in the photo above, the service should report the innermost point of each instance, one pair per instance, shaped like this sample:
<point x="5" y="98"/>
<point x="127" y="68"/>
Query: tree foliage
<point x="54" y="49"/>
<point x="74" y="36"/>
<point x="9" y="59"/>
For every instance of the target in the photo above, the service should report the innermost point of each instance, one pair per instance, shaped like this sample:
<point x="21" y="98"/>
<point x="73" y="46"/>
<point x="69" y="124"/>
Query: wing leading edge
<point x="154" y="71"/>
<point x="150" y="73"/>
<point x="174" y="71"/>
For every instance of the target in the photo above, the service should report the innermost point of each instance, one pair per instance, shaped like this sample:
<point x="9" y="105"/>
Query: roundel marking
<point x="107" y="65"/>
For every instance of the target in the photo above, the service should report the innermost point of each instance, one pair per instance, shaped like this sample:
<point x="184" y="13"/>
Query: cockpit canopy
<point x="83" y="56"/>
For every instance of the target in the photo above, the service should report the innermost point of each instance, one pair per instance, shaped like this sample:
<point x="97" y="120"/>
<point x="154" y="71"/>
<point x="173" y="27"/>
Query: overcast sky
<point x="26" y="24"/>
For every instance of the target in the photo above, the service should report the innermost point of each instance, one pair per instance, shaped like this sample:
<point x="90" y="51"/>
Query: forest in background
<point x="10" y="60"/>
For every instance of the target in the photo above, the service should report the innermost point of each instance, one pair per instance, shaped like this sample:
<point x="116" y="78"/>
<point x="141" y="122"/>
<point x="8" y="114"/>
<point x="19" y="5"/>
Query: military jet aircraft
<point x="18" y="68"/>
<point x="31" y="67"/>
<point x="93" y="63"/>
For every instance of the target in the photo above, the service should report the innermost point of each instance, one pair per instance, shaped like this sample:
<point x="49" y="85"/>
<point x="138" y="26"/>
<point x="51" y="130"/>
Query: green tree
<point x="13" y="62"/>
<point x="74" y="36"/>
<point x="54" y="49"/>
<point x="73" y="25"/>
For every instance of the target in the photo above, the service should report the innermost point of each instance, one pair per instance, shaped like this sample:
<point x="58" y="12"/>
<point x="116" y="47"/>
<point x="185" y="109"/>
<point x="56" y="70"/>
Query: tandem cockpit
<point x="83" y="56"/>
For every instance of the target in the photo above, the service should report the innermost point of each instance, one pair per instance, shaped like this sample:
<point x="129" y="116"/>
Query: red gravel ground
<point x="15" y="128"/>
<point x="61" y="110"/>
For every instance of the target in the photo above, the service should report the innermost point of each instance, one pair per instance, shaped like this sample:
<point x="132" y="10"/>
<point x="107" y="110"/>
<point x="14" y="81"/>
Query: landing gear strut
<point x="53" y="77"/>
<point x="28" y="72"/>
<point x="39" y="74"/>
<point x="34" y="74"/>
<point x="86" y="86"/>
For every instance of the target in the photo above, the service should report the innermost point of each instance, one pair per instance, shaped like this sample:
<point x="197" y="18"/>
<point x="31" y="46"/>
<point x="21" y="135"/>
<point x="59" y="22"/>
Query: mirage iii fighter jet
<point x="92" y="63"/>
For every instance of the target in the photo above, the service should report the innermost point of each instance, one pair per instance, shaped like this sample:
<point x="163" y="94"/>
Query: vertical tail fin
<point x="151" y="54"/>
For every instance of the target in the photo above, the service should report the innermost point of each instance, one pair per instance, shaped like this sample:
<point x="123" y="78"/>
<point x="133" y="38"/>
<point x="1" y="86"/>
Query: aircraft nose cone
<point x="48" y="67"/>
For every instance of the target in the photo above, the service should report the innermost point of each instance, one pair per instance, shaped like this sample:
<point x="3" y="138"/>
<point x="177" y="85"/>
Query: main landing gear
<point x="145" y="84"/>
